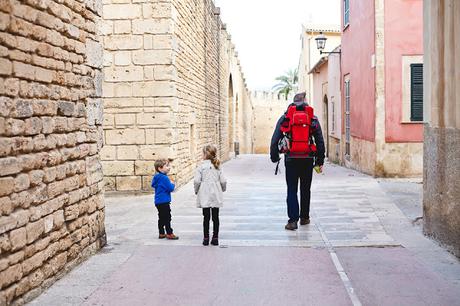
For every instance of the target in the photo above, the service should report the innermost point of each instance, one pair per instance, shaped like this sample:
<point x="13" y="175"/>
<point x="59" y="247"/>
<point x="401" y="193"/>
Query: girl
<point x="210" y="184"/>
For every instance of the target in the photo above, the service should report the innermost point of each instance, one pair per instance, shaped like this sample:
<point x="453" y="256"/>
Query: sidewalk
<point x="359" y="249"/>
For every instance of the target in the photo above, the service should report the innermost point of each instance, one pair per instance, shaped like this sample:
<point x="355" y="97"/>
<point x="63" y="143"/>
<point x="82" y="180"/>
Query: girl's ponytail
<point x="210" y="152"/>
<point x="216" y="162"/>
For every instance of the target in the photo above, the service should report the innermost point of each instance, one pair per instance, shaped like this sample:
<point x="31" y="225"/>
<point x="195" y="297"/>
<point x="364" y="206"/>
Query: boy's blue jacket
<point x="163" y="188"/>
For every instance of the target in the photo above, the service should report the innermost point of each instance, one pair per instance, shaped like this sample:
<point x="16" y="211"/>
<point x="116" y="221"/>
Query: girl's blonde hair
<point x="210" y="152"/>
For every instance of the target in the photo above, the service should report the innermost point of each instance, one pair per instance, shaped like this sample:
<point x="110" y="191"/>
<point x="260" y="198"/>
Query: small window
<point x="416" y="92"/>
<point x="347" y="118"/>
<point x="346" y="13"/>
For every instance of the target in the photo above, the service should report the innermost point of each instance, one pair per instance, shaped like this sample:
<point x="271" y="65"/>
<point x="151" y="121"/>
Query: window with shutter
<point x="416" y="92"/>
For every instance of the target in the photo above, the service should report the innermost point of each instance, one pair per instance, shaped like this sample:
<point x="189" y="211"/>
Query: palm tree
<point x="287" y="83"/>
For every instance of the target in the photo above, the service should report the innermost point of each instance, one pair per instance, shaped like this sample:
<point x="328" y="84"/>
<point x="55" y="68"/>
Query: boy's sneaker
<point x="304" y="221"/>
<point x="206" y="241"/>
<point x="171" y="237"/>
<point x="162" y="236"/>
<point x="291" y="226"/>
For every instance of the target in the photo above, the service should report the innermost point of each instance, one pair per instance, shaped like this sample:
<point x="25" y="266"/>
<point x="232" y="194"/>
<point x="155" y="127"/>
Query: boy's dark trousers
<point x="298" y="169"/>
<point x="164" y="218"/>
<point x="215" y="221"/>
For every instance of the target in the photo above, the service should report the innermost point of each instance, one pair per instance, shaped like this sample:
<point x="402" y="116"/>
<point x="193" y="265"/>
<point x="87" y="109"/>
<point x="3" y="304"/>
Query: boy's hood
<point x="156" y="179"/>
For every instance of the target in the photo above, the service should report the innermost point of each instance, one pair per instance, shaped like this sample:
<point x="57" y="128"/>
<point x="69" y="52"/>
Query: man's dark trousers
<point x="298" y="169"/>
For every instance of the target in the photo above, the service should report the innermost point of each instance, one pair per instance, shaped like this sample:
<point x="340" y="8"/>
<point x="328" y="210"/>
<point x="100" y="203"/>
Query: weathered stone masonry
<point x="51" y="202"/>
<point x="172" y="83"/>
<point x="441" y="193"/>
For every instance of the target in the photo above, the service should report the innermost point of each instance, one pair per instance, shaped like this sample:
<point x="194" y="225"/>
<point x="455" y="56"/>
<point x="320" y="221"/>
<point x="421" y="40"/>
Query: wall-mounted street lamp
<point x="321" y="44"/>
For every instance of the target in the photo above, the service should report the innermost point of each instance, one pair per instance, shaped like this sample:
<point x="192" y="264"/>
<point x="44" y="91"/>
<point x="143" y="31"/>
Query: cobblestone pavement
<point x="359" y="249"/>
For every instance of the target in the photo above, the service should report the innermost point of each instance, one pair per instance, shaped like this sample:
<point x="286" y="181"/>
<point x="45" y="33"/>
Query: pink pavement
<point x="183" y="275"/>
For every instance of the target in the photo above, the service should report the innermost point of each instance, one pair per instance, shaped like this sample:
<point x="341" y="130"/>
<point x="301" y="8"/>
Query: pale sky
<point x="267" y="33"/>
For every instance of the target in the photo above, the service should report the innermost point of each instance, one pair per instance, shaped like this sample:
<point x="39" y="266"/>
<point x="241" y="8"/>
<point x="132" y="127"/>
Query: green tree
<point x="287" y="83"/>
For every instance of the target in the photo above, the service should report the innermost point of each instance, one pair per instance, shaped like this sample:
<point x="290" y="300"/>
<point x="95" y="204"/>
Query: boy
<point x="163" y="188"/>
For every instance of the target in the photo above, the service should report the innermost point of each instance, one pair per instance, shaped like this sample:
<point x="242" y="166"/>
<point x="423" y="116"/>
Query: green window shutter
<point x="416" y="92"/>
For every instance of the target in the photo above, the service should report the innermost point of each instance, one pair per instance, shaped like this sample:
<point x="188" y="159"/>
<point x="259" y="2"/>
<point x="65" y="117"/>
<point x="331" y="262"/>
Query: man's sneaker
<point x="291" y="226"/>
<point x="171" y="237"/>
<point x="304" y="221"/>
<point x="162" y="236"/>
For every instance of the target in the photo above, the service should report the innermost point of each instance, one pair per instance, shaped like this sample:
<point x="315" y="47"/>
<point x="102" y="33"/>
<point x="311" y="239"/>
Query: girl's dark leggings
<point x="207" y="212"/>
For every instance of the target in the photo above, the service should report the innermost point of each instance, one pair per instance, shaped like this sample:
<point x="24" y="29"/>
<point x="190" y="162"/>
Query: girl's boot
<point x="215" y="240"/>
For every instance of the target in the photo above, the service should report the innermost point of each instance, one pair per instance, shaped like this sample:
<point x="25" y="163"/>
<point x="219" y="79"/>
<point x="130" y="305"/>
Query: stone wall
<point x="172" y="84"/>
<point x="51" y="202"/>
<point x="362" y="157"/>
<point x="441" y="193"/>
<point x="268" y="108"/>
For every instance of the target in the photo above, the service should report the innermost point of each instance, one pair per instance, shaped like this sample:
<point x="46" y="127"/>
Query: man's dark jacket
<point x="317" y="136"/>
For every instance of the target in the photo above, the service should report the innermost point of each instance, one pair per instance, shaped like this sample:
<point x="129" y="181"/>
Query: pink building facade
<point x="382" y="86"/>
<point x="327" y="102"/>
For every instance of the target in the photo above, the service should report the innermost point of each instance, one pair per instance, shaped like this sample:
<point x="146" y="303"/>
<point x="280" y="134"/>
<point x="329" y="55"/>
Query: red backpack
<point x="297" y="128"/>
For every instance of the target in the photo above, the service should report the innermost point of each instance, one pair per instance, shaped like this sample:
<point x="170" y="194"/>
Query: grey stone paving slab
<point x="392" y="276"/>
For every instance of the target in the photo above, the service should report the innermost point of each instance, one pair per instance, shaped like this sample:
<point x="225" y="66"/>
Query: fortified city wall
<point x="172" y="83"/>
<point x="268" y="108"/>
<point x="51" y="202"/>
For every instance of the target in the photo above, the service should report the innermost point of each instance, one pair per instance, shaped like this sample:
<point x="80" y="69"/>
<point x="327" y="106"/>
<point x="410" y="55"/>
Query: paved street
<point x="360" y="249"/>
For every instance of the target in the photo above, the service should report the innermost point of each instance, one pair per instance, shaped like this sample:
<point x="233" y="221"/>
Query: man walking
<point x="299" y="166"/>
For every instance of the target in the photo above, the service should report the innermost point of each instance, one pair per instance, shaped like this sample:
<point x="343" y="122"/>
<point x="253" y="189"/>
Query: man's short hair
<point x="160" y="163"/>
<point x="300" y="97"/>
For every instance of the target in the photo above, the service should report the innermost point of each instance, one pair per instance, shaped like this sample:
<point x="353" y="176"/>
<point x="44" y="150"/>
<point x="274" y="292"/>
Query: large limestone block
<point x="144" y="167"/>
<point x="146" y="182"/>
<point x="123" y="90"/>
<point x="163" y="10"/>
<point x="94" y="53"/>
<point x="129" y="183"/>
<point x="165" y="73"/>
<point x="165" y="136"/>
<point x="122" y="26"/>
<point x="122" y="11"/>
<point x="123" y="102"/>
<point x="153" y="26"/>
<point x="155" y="119"/>
<point x="95" y="111"/>
<point x="108" y="153"/>
<point x="153" y="152"/>
<point x="122" y="58"/>
<point x="167" y="42"/>
<point x="118" y="168"/>
<point x="125" y="136"/>
<point x="123" y="74"/>
<point x="154" y="89"/>
<point x="125" y="119"/>
<point x="127" y="152"/>
<point x="123" y="42"/>
<point x="153" y="57"/>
